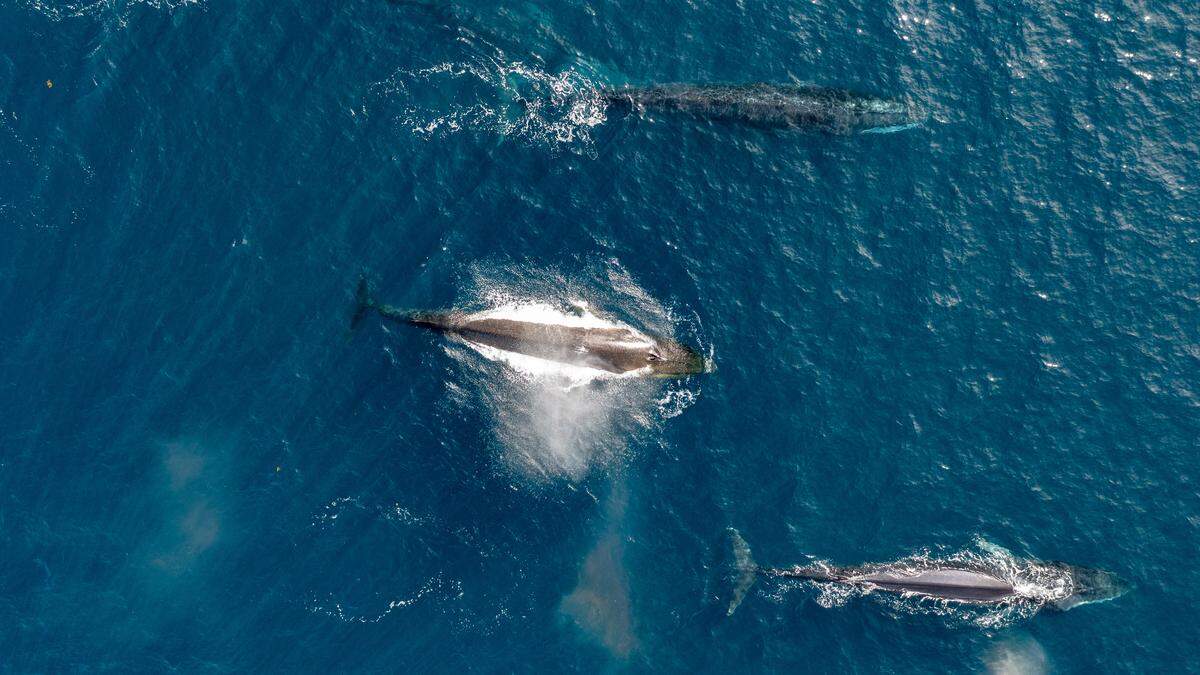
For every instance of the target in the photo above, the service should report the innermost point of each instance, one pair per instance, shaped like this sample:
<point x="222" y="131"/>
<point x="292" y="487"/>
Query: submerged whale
<point x="602" y="346"/>
<point x="772" y="106"/>
<point x="1058" y="585"/>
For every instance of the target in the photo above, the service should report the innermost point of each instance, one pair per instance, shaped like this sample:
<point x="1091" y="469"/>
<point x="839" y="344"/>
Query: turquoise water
<point x="976" y="337"/>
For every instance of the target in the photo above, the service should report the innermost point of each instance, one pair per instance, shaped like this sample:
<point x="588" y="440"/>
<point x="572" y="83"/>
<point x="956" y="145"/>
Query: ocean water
<point x="980" y="335"/>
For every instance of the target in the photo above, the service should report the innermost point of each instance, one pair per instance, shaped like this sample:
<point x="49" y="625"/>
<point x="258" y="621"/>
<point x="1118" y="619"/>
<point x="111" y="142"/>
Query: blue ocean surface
<point x="976" y="338"/>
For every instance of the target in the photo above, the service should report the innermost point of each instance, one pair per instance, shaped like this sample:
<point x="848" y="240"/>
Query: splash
<point x="514" y="100"/>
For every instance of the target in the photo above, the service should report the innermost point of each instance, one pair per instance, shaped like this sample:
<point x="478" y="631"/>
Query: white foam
<point x="534" y="367"/>
<point x="515" y="99"/>
<point x="58" y="11"/>
<point x="676" y="399"/>
<point x="336" y="610"/>
<point x="368" y="608"/>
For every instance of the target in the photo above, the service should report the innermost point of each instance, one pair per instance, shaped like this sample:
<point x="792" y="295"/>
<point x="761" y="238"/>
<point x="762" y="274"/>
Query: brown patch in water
<point x="600" y="603"/>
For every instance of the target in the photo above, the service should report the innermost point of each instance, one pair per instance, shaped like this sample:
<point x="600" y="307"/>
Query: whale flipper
<point x="362" y="302"/>
<point x="747" y="570"/>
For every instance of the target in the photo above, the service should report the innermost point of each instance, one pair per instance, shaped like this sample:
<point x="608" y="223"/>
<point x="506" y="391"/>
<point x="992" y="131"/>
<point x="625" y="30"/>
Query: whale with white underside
<point x="974" y="584"/>
<point x="602" y="346"/>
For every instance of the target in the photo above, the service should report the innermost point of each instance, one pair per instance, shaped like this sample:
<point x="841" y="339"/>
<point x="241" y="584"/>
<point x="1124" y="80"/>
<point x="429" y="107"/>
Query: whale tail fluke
<point x="619" y="98"/>
<point x="363" y="302"/>
<point x="747" y="570"/>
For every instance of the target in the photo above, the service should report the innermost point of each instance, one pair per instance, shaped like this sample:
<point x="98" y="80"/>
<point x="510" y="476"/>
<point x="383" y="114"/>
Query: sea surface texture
<point x="978" y="339"/>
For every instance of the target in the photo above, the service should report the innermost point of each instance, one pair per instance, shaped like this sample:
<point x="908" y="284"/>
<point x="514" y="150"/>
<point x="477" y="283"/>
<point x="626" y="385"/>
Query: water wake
<point x="511" y="99"/>
<point x="59" y="11"/>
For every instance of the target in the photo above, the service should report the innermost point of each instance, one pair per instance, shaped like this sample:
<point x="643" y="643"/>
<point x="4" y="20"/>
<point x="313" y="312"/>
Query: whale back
<point x="949" y="583"/>
<point x="608" y="347"/>
<point x="612" y="349"/>
<point x="771" y="106"/>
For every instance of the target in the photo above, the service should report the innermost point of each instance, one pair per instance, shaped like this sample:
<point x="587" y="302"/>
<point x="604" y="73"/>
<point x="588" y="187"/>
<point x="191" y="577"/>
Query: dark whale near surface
<point x="772" y="106"/>
<point x="613" y="348"/>
<point x="958" y="582"/>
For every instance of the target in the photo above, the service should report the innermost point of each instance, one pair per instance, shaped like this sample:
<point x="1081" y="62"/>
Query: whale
<point x="1064" y="586"/>
<point x="771" y="106"/>
<point x="607" y="347"/>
